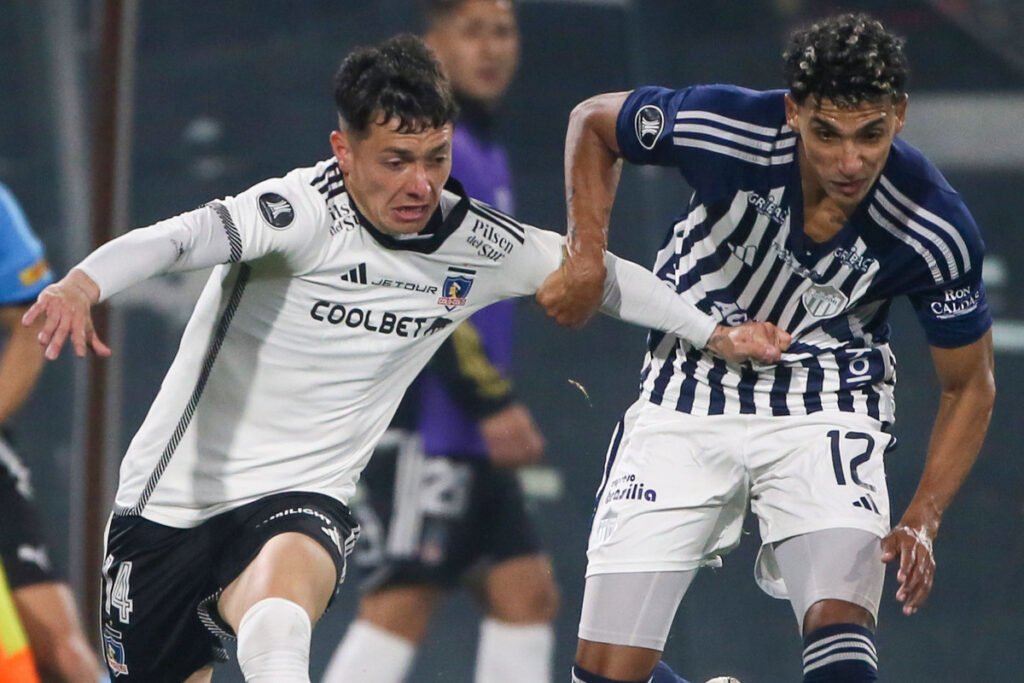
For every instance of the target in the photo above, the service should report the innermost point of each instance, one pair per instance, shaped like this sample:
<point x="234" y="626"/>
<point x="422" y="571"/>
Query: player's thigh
<point x="819" y="471"/>
<point x="832" y="576"/>
<point x="673" y="493"/>
<point x="815" y="472"/>
<point x="522" y="590"/>
<point x="154" y="578"/>
<point x="292" y="546"/>
<point x="625" y="620"/>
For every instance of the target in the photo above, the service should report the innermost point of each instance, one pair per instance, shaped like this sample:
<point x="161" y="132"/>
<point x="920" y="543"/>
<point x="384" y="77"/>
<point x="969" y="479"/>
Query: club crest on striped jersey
<point x="455" y="289"/>
<point x="276" y="210"/>
<point x="824" y="301"/>
<point x="649" y="121"/>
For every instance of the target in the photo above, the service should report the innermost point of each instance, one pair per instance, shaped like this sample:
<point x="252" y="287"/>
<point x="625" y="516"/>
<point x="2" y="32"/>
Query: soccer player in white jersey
<point x="810" y="213"/>
<point x="335" y="284"/>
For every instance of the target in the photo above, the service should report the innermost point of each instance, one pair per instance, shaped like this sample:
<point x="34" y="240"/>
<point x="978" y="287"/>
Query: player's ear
<point x="341" y="145"/>
<point x="901" y="112"/>
<point x="792" y="111"/>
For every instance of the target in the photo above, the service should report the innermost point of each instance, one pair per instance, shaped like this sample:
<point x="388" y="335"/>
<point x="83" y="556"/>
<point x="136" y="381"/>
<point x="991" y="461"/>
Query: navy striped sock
<point x="840" y="653"/>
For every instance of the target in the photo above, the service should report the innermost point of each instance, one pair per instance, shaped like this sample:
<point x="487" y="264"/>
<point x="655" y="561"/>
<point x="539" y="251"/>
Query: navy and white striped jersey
<point x="739" y="252"/>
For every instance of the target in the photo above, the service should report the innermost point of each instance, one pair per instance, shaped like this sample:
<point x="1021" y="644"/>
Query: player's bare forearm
<point x="20" y="363"/>
<point x="64" y="309"/>
<point x="592" y="168"/>
<point x="968" y="393"/>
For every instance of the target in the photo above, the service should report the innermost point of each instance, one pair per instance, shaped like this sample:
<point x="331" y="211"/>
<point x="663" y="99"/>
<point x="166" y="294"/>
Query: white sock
<point x="273" y="642"/>
<point x="369" y="654"/>
<point x="514" y="652"/>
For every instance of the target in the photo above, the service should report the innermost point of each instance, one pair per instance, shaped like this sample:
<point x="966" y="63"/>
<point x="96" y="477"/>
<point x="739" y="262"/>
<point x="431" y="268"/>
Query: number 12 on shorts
<point x="852" y="442"/>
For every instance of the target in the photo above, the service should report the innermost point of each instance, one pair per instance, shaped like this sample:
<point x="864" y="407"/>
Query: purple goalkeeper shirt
<point x="481" y="166"/>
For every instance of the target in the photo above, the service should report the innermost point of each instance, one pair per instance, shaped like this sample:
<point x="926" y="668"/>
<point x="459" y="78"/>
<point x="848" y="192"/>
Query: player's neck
<point x="823" y="216"/>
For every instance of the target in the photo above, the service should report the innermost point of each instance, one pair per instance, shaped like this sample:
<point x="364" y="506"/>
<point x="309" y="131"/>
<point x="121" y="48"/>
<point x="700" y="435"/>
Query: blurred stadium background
<point x="218" y="95"/>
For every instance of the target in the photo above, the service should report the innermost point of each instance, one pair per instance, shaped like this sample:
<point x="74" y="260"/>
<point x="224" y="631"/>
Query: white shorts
<point x="676" y="486"/>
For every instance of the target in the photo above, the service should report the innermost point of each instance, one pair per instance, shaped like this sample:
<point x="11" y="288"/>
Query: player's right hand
<point x="572" y="294"/>
<point x="752" y="341"/>
<point x="65" y="305"/>
<point x="511" y="437"/>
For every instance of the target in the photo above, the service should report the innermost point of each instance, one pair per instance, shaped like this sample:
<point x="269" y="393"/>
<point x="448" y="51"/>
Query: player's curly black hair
<point x="400" y="78"/>
<point x="848" y="59"/>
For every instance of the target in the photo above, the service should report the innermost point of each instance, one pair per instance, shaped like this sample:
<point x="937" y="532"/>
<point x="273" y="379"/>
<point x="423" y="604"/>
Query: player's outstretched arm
<point x="190" y="241"/>
<point x="966" y="376"/>
<point x="65" y="311"/>
<point x="636" y="295"/>
<point x="592" y="167"/>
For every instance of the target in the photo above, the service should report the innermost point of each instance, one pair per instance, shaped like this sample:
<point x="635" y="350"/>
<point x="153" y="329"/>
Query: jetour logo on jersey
<point x="276" y="210"/>
<point x="824" y="301"/>
<point x="455" y="289"/>
<point x="649" y="122"/>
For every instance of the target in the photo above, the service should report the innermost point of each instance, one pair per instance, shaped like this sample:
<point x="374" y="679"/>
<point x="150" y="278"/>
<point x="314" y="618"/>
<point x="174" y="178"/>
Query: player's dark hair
<point x="400" y="78"/>
<point x="848" y="59"/>
<point x="434" y="11"/>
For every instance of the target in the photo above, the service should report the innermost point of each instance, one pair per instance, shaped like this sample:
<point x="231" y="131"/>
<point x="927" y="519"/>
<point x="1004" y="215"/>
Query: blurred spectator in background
<point x="442" y="503"/>
<point x="44" y="603"/>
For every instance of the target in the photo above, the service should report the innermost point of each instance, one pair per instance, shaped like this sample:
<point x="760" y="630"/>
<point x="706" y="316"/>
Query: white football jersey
<point x="300" y="348"/>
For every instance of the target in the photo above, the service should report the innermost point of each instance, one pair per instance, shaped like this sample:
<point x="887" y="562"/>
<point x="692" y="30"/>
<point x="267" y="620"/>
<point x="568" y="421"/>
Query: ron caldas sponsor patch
<point x="455" y="289"/>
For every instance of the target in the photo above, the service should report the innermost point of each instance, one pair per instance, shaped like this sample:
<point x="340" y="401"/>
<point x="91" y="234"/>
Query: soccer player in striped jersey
<point x="333" y="286"/>
<point x="808" y="212"/>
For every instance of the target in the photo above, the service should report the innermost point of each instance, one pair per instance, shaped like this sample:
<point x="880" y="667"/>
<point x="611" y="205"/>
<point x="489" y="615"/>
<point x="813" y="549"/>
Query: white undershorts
<point x="676" y="487"/>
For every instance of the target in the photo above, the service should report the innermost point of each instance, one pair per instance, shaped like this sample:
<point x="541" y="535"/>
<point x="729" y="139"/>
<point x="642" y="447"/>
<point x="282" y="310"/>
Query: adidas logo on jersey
<point x="356" y="276"/>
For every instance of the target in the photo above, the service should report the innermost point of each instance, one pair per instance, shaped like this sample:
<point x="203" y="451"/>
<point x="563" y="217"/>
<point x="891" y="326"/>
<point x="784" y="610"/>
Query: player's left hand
<point x="572" y="294"/>
<point x="911" y="542"/>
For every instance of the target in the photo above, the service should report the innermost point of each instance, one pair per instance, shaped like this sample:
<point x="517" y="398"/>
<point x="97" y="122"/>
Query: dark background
<point x="230" y="92"/>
